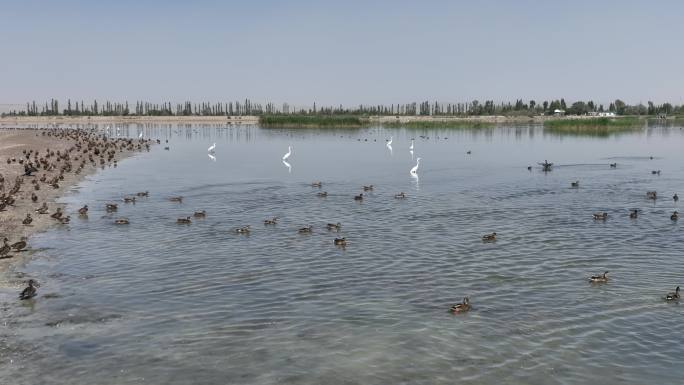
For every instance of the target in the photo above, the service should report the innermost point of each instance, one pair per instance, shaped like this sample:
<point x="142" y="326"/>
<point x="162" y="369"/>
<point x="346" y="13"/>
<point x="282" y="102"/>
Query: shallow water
<point x="159" y="303"/>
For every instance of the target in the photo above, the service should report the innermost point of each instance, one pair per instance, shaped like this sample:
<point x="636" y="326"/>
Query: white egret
<point x="414" y="170"/>
<point x="141" y="135"/>
<point x="411" y="146"/>
<point x="389" y="142"/>
<point x="211" y="148"/>
<point x="289" y="152"/>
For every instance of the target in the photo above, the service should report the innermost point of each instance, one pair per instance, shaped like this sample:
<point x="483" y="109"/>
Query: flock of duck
<point x="46" y="169"/>
<point x="89" y="146"/>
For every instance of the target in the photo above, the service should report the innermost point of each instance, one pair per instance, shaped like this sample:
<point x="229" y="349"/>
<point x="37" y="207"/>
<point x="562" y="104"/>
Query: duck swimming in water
<point x="184" y="221"/>
<point x="121" y="221"/>
<point x="334" y="226"/>
<point x="634" y="214"/>
<point x="368" y="188"/>
<point x="111" y="207"/>
<point x="358" y="197"/>
<point x="675" y="198"/>
<point x="83" y="210"/>
<point x="243" y="230"/>
<point x="306" y="230"/>
<point x="461" y="307"/>
<point x="574" y="184"/>
<point x="613" y="165"/>
<point x="29" y="292"/>
<point x="674" y="216"/>
<point x="489" y="237"/>
<point x="600" y="216"/>
<point x="318" y="184"/>
<point x="674" y="296"/>
<point x="401" y="195"/>
<point x="599" y="278"/>
<point x="200" y="214"/>
<point x="271" y="222"/>
<point x="143" y="194"/>
<point x="340" y="241"/>
<point x="323" y="194"/>
<point x="178" y="199"/>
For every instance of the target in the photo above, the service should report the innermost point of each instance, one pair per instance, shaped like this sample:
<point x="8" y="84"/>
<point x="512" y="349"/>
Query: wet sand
<point x="13" y="142"/>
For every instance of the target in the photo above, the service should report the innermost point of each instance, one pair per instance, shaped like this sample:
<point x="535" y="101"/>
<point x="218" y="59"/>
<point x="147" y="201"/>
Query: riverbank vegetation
<point x="310" y="121"/>
<point x="461" y="123"/>
<point x="594" y="126"/>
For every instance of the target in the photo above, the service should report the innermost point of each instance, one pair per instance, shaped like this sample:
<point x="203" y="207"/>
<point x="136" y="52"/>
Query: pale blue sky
<point x="347" y="52"/>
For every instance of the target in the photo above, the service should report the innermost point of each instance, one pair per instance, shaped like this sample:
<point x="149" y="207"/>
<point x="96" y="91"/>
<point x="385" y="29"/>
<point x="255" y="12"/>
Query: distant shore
<point x="253" y="119"/>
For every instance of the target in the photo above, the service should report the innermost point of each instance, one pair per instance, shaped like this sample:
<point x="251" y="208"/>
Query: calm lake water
<point x="155" y="302"/>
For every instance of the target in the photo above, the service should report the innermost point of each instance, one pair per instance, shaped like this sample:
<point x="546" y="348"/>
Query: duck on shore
<point x="27" y="221"/>
<point x="20" y="245"/>
<point x="461" y="307"/>
<point x="5" y="247"/>
<point x="57" y="214"/>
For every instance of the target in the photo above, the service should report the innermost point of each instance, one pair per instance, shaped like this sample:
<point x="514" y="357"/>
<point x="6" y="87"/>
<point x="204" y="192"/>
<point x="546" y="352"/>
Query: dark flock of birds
<point x="47" y="168"/>
<point x="98" y="149"/>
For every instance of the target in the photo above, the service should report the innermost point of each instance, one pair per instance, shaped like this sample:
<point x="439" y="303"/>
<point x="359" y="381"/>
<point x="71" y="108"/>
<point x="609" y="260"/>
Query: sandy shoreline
<point x="13" y="143"/>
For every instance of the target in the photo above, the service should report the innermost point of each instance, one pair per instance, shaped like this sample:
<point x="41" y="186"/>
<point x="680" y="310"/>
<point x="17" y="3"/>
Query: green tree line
<point x="428" y="108"/>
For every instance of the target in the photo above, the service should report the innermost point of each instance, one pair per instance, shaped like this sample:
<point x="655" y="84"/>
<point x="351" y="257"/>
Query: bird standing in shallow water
<point x="675" y="198"/>
<point x="211" y="148"/>
<point x="414" y="170"/>
<point x="289" y="152"/>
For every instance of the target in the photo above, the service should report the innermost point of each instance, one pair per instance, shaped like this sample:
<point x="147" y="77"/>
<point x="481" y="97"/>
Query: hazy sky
<point x="343" y="51"/>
